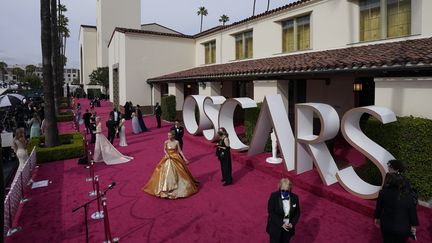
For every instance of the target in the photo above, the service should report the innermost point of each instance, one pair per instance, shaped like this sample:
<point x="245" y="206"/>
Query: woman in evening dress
<point x="171" y="178"/>
<point x="19" y="146"/>
<point x="104" y="151"/>
<point x="135" y="124"/>
<point x="122" y="132"/>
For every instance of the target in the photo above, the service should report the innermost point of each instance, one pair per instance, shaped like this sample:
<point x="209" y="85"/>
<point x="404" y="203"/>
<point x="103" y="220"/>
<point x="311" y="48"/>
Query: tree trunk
<point x="51" y="131"/>
<point x="253" y="13"/>
<point x="268" y="5"/>
<point x="201" y="22"/>
<point x="55" y="55"/>
<point x="2" y="191"/>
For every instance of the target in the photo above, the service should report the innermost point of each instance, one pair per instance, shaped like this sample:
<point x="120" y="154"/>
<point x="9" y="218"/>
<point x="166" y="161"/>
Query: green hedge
<point x="64" y="106"/>
<point x="409" y="140"/>
<point x="92" y="93"/>
<point x="65" y="116"/>
<point x="250" y="119"/>
<point x="168" y="106"/>
<point x="72" y="147"/>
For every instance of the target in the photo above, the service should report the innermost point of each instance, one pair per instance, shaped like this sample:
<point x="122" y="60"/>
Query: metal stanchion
<point x="12" y="230"/>
<point x="99" y="214"/>
<point x="94" y="192"/>
<point x="108" y="236"/>
<point x="23" y="199"/>
<point x="91" y="169"/>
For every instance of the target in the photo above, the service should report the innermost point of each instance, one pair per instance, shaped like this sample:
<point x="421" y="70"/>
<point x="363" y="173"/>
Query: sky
<point x="20" y="22"/>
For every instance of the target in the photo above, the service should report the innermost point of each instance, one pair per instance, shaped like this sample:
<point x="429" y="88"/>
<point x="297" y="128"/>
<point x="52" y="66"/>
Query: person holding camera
<point x="223" y="152"/>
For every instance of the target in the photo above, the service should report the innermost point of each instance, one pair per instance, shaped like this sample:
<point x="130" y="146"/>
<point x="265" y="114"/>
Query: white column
<point x="177" y="89"/>
<point x="156" y="93"/>
<point x="209" y="88"/>
<point x="271" y="87"/>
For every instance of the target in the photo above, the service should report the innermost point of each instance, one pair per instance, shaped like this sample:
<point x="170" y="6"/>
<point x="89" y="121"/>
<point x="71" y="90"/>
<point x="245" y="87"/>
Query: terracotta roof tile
<point x="366" y="56"/>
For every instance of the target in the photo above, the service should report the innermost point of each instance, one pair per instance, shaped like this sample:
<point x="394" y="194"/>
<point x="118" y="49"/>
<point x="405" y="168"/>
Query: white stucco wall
<point x="405" y="96"/>
<point x="143" y="56"/>
<point x="112" y="14"/>
<point x="87" y="42"/>
<point x="334" y="24"/>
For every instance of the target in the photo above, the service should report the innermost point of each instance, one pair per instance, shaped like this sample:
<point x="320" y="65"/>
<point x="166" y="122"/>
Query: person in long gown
<point x="135" y="124"/>
<point x="19" y="146"/>
<point x="140" y="119"/>
<point x="35" y="126"/>
<point x="171" y="178"/>
<point x="122" y="132"/>
<point x="104" y="151"/>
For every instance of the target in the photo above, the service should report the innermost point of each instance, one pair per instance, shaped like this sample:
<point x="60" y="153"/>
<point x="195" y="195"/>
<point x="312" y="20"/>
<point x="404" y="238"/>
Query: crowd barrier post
<point x="23" y="198"/>
<point x="12" y="230"/>
<point x="99" y="214"/>
<point x="108" y="236"/>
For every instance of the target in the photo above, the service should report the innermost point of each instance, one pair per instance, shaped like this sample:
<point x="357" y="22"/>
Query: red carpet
<point x="215" y="214"/>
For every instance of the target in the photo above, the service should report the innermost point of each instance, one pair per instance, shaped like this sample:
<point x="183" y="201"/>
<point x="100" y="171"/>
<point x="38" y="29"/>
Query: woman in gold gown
<point x="171" y="178"/>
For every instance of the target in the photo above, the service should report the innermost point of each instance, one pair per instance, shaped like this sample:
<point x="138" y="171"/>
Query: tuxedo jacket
<point x="396" y="212"/>
<point x="276" y="213"/>
<point x="111" y="126"/>
<point x="158" y="110"/>
<point x="179" y="133"/>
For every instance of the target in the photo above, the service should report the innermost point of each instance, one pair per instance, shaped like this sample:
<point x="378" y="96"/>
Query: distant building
<point x="70" y="74"/>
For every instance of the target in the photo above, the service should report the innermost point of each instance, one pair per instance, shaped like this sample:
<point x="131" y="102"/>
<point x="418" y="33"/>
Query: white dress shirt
<point x="286" y="208"/>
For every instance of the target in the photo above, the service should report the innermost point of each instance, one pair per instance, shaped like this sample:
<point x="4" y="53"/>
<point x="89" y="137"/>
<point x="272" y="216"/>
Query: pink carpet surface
<point x="236" y="213"/>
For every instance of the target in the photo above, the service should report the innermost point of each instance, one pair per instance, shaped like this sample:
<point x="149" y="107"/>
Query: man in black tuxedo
<point x="86" y="118"/>
<point x="283" y="213"/>
<point x="93" y="128"/>
<point x="178" y="130"/>
<point x="158" y="113"/>
<point x="111" y="129"/>
<point x="116" y="117"/>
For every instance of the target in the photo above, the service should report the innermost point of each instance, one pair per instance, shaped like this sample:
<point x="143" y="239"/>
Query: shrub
<point x="409" y="140"/>
<point x="64" y="106"/>
<point x="79" y="92"/>
<point x="92" y="93"/>
<point x="71" y="147"/>
<point x="250" y="119"/>
<point x="168" y="106"/>
<point x="64" y="116"/>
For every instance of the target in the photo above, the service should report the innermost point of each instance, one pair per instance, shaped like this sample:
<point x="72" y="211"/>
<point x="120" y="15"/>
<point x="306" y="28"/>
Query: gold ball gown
<point x="171" y="178"/>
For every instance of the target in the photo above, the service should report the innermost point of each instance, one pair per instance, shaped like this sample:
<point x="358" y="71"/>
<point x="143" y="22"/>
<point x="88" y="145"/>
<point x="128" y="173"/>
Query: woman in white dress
<point x="122" y="132"/>
<point x="104" y="151"/>
<point x="19" y="146"/>
<point x="135" y="124"/>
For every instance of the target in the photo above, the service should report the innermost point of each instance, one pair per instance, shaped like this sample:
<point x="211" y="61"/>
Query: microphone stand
<point x="85" y="206"/>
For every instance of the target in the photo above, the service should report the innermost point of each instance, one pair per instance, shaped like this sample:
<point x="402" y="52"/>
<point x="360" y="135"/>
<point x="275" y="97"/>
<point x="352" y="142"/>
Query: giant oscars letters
<point x="303" y="149"/>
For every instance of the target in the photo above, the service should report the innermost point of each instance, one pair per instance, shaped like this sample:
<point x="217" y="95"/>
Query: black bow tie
<point x="286" y="198"/>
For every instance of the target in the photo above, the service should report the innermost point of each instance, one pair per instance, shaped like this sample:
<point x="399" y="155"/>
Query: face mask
<point x="220" y="134"/>
<point x="285" y="193"/>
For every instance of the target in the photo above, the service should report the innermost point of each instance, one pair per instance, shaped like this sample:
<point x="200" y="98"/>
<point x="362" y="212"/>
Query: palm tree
<point x="223" y="19"/>
<point x="51" y="130"/>
<point x="202" y="11"/>
<point x="268" y="5"/>
<point x="253" y="12"/>
<point x="3" y="69"/>
<point x="63" y="33"/>
<point x="56" y="62"/>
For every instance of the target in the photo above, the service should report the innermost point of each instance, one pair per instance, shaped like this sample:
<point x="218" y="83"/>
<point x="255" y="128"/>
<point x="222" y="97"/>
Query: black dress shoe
<point x="227" y="184"/>
<point x="222" y="180"/>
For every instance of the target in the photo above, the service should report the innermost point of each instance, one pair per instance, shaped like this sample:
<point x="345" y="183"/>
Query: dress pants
<point x="158" y="119"/>
<point x="284" y="237"/>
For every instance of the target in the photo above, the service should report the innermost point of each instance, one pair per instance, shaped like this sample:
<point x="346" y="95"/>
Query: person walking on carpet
<point x="122" y="132"/>
<point x="178" y="132"/>
<point x="283" y="213"/>
<point x="395" y="212"/>
<point x="112" y="129"/>
<point x="171" y="178"/>
<point x="104" y="151"/>
<point x="158" y="113"/>
<point x="138" y="113"/>
<point x="136" y="128"/>
<point x="223" y="152"/>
